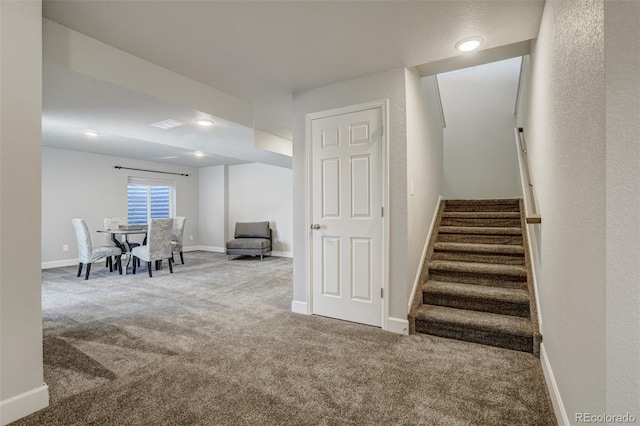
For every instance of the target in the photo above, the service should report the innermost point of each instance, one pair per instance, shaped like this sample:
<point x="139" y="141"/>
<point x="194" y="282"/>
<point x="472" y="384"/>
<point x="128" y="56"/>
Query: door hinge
<point x="382" y="211"/>
<point x="382" y="130"/>
<point x="382" y="293"/>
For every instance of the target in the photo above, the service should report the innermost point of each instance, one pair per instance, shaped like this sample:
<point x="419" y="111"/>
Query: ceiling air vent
<point x="167" y="124"/>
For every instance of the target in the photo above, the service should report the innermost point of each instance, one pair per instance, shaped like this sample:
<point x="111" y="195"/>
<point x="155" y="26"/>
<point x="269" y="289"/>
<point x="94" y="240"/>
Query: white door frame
<point x="384" y="107"/>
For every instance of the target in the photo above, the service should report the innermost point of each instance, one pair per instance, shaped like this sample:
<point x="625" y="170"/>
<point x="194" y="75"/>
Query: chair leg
<point x="88" y="271"/>
<point x="134" y="265"/>
<point x="149" y="268"/>
<point x="110" y="262"/>
<point x="171" y="265"/>
<point x="106" y="265"/>
<point x="79" y="269"/>
<point x="181" y="258"/>
<point x="119" y="263"/>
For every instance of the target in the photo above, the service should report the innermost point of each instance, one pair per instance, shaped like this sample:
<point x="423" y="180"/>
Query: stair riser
<point x="482" y="207"/>
<point x="492" y="306"/>
<point x="503" y="259"/>
<point x="518" y="343"/>
<point x="478" y="279"/>
<point x="506" y="223"/>
<point x="480" y="239"/>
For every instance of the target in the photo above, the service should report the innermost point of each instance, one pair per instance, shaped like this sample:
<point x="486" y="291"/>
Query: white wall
<point x="424" y="166"/>
<point x="246" y="193"/>
<point x="79" y="184"/>
<point x="622" y="71"/>
<point x="214" y="207"/>
<point x="21" y="374"/>
<point x="259" y="192"/>
<point x="388" y="85"/>
<point x="565" y="133"/>
<point x="480" y="157"/>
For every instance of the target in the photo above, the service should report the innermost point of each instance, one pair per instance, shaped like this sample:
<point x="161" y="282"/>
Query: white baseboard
<point x="59" y="263"/>
<point x="416" y="282"/>
<point x="74" y="262"/>
<point x="24" y="404"/>
<point x="397" y="325"/>
<point x="191" y="248"/>
<point x="298" y="307"/>
<point x="208" y="248"/>
<point x="223" y="250"/>
<point x="552" y="386"/>
<point x="282" y="254"/>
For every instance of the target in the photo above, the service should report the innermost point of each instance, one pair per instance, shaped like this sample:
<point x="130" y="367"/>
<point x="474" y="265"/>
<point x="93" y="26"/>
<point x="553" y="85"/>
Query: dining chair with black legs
<point x="158" y="245"/>
<point x="177" y="236"/>
<point x="87" y="254"/>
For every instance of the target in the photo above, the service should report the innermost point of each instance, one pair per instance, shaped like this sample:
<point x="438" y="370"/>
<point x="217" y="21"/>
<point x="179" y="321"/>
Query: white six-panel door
<point x="346" y="174"/>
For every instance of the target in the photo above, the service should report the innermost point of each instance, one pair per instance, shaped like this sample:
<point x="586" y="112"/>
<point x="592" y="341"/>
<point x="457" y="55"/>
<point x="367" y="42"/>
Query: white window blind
<point x="147" y="198"/>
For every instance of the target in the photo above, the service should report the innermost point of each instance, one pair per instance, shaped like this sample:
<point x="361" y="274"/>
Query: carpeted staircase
<point x="476" y="281"/>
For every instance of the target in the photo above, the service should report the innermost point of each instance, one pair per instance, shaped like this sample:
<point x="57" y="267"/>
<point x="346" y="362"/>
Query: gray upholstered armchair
<point x="158" y="245"/>
<point x="250" y="238"/>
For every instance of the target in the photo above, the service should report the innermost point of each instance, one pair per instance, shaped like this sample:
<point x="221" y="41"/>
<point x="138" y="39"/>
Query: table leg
<point x="126" y="249"/>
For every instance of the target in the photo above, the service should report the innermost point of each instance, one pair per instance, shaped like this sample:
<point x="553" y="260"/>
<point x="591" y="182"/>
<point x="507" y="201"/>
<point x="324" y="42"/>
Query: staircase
<point x="476" y="281"/>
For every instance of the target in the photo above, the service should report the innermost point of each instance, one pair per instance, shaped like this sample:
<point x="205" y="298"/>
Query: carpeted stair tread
<point x="470" y="291"/>
<point x="480" y="248"/>
<point x="481" y="222"/>
<point x="484" y="230"/>
<point x="485" y="202"/>
<point x="506" y="205"/>
<point x="478" y="268"/>
<point x="482" y="215"/>
<point x="475" y="284"/>
<point x="480" y="239"/>
<point x="503" y="324"/>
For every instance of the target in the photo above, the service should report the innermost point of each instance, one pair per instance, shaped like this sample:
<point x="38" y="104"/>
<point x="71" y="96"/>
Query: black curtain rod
<point x="152" y="171"/>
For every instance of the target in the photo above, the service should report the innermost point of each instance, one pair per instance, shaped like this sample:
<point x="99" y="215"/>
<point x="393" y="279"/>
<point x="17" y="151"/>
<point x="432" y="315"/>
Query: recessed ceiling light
<point x="199" y="154"/>
<point x="91" y="133"/>
<point x="205" y="123"/>
<point x="469" y="44"/>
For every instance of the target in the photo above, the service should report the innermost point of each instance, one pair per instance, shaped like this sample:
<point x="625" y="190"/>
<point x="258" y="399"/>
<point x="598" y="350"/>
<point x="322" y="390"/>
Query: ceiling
<point x="73" y="103"/>
<point x="258" y="51"/>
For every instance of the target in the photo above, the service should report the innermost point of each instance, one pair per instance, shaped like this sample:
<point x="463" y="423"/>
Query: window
<point x="148" y="199"/>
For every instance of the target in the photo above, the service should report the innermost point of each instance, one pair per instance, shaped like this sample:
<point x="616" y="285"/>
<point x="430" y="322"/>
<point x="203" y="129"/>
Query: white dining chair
<point x="177" y="236"/>
<point x="87" y="254"/>
<point x="158" y="245"/>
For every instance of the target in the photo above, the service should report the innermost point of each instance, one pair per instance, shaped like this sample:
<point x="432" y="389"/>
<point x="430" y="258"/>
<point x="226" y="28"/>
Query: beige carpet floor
<point x="215" y="343"/>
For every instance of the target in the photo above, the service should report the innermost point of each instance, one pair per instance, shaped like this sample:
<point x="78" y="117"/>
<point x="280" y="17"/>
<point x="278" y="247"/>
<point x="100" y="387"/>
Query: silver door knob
<point x="315" y="226"/>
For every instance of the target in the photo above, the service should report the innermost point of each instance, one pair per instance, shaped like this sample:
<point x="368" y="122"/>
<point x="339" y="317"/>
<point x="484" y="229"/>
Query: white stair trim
<point x="416" y="281"/>
<point x="552" y="386"/>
